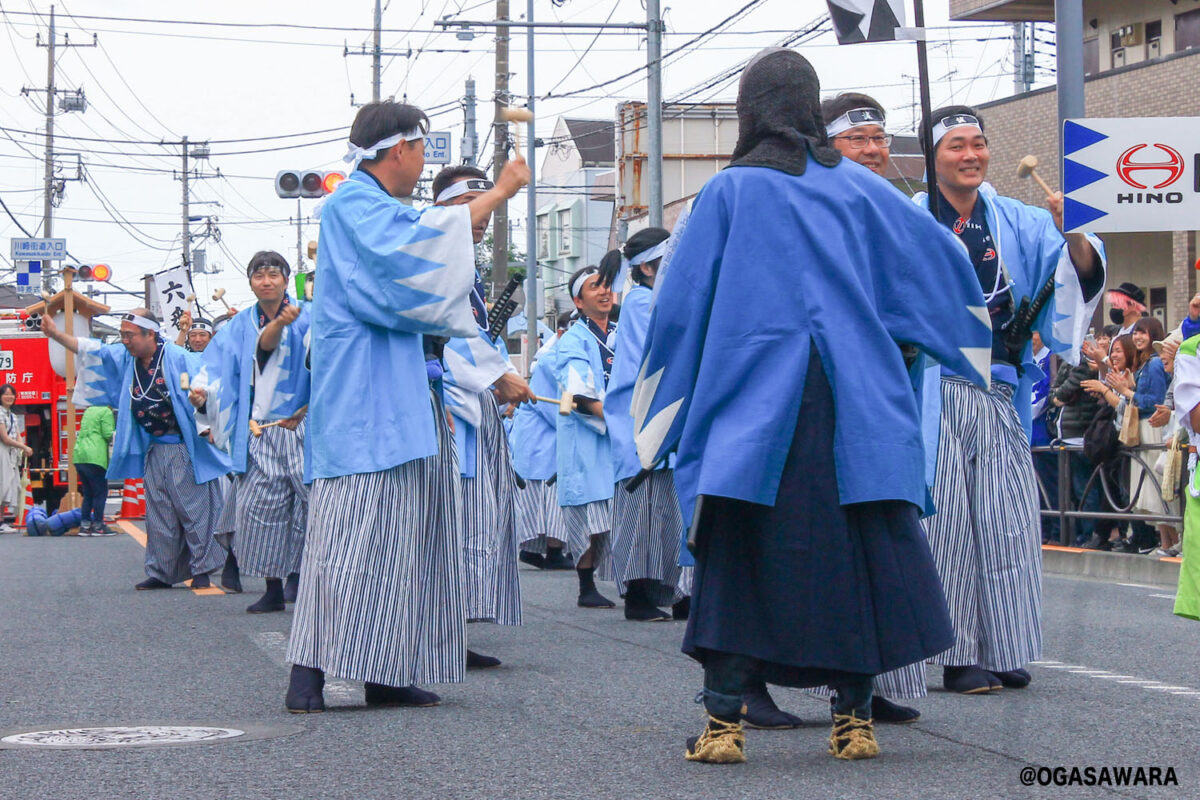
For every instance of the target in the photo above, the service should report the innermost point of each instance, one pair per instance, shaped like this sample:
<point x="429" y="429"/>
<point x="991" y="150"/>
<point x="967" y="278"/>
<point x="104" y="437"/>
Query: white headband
<point x="854" y="118"/>
<point x="658" y="251"/>
<point x="141" y="322"/>
<point x="946" y="124"/>
<point x="200" y="325"/>
<point x="459" y="188"/>
<point x="577" y="284"/>
<point x="356" y="154"/>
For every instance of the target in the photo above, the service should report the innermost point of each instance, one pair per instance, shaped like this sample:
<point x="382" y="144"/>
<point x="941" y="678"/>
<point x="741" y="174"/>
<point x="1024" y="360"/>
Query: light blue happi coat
<point x="534" y="436"/>
<point x="1032" y="249"/>
<point x="229" y="375"/>
<point x="635" y="321"/>
<point x="584" y="454"/>
<point x="769" y="266"/>
<point x="388" y="274"/>
<point x="106" y="374"/>
<point x="472" y="365"/>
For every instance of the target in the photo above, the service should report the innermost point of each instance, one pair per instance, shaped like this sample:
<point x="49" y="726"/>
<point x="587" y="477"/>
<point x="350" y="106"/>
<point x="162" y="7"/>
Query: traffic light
<point x="93" y="272"/>
<point x="306" y="183"/>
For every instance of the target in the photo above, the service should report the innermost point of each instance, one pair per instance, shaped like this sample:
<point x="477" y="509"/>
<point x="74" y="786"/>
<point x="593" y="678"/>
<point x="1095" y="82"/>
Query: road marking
<point x="139" y="536"/>
<point x="274" y="644"/>
<point x="1164" y="596"/>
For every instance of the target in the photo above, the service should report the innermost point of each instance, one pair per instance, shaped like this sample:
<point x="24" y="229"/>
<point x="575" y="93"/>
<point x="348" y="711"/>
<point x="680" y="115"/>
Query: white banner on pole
<point x="168" y="301"/>
<point x="1130" y="175"/>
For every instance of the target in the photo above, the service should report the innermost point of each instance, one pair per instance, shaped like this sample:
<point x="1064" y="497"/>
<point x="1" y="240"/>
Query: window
<point x="543" y="236"/>
<point x="1154" y="39"/>
<point x="1091" y="56"/>
<point x="1187" y="30"/>
<point x="564" y="231"/>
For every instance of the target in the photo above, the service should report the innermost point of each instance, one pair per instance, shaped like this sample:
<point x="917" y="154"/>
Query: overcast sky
<point x="258" y="73"/>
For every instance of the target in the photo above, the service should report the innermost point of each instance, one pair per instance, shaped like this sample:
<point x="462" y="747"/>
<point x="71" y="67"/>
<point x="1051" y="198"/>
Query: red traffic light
<point x="332" y="181"/>
<point x="101" y="272"/>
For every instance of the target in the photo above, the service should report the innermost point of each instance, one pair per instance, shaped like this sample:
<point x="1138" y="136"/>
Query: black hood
<point x="779" y="115"/>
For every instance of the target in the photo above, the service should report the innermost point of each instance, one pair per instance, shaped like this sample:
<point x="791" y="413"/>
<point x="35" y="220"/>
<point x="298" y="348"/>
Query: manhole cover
<point x="127" y="736"/>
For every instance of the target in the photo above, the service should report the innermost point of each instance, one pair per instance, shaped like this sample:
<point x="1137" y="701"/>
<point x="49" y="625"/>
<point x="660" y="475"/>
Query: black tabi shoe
<point x="1014" y="678"/>
<point x="682" y="609"/>
<point x="304" y="691"/>
<point x="231" y="576"/>
<point x="480" y="661"/>
<point x="532" y="559"/>
<point x="151" y="583"/>
<point x="639" y="602"/>
<point x="969" y="680"/>
<point x="291" y="587"/>
<point x="272" y="599"/>
<point x="201" y="581"/>
<point x="380" y="695"/>
<point x="593" y="599"/>
<point x="884" y="710"/>
<point x="759" y="711"/>
<point x="557" y="559"/>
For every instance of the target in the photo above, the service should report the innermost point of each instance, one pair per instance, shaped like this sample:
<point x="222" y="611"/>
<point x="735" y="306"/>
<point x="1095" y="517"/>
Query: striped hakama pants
<point x="905" y="683"/>
<point x="223" y="532"/>
<point x="381" y="584"/>
<point x="272" y="505"/>
<point x="538" y="516"/>
<point x="489" y="529"/>
<point x="583" y="522"/>
<point x="180" y="516"/>
<point x="647" y="530"/>
<point x="985" y="537"/>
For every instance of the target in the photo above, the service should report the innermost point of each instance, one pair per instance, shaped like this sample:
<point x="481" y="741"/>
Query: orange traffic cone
<point x="141" y="498"/>
<point x="131" y="508"/>
<point x="28" y="504"/>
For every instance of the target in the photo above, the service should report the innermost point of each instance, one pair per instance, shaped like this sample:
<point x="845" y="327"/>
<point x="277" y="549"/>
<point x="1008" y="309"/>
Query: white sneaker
<point x="1160" y="553"/>
<point x="6" y="528"/>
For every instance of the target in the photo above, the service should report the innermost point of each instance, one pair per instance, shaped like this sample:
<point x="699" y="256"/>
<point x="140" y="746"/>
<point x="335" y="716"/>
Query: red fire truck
<point x="41" y="403"/>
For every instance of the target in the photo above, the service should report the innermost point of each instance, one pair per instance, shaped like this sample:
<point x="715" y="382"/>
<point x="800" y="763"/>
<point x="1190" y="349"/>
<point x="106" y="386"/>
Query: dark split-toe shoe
<point x="151" y="583"/>
<point x="682" y="609"/>
<point x="231" y="576"/>
<point x="304" y="691"/>
<point x="591" y="598"/>
<point x="272" y="599"/>
<point x="379" y="695"/>
<point x="1013" y="678"/>
<point x="291" y="587"/>
<point x="969" y="680"/>
<point x="759" y="711"/>
<point x="532" y="559"/>
<point x="557" y="559"/>
<point x="884" y="710"/>
<point x="201" y="581"/>
<point x="480" y="661"/>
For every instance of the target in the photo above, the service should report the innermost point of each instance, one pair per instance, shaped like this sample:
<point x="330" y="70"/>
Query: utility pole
<point x="1068" y="24"/>
<point x="654" y="109"/>
<point x="376" y="53"/>
<point x="1022" y="59"/>
<point x="299" y="235"/>
<point x="500" y="153"/>
<point x="470" y="142"/>
<point x="71" y="102"/>
<point x="187" y="231"/>
<point x="531" y="264"/>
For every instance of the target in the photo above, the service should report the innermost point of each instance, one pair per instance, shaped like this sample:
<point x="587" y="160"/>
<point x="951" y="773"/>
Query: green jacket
<point x="95" y="433"/>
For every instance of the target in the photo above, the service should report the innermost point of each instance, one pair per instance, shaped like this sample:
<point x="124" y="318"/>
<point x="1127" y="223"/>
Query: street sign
<point x="1129" y="175"/>
<point x="39" y="249"/>
<point x="29" y="277"/>
<point x="437" y="147"/>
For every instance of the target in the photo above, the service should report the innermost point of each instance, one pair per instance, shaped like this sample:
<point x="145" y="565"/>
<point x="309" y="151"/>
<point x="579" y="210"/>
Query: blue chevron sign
<point x="1129" y="175"/>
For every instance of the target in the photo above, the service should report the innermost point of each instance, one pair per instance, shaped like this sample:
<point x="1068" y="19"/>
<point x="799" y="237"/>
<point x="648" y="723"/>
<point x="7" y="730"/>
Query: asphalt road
<point x="586" y="705"/>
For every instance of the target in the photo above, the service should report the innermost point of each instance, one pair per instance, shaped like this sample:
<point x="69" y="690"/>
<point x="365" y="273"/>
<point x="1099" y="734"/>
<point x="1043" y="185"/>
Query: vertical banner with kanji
<point x="169" y="301"/>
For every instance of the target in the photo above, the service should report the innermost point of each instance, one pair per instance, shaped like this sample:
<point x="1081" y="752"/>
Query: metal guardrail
<point x="1122" y="511"/>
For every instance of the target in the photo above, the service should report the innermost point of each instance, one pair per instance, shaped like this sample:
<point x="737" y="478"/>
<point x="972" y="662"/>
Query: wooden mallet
<point x="513" y="114"/>
<point x="219" y="294"/>
<point x="256" y="428"/>
<point x="1028" y="169"/>
<point x="185" y="382"/>
<point x="566" y="403"/>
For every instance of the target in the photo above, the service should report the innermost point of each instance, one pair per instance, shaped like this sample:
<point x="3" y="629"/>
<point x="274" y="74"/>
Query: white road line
<point x="274" y="644"/>
<point x="1164" y="596"/>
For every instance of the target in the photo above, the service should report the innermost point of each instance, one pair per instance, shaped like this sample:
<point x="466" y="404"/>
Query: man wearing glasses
<point x="854" y="123"/>
<point x="156" y="438"/>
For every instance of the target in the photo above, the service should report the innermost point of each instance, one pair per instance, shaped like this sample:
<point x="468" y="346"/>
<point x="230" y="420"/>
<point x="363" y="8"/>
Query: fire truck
<point x="41" y="402"/>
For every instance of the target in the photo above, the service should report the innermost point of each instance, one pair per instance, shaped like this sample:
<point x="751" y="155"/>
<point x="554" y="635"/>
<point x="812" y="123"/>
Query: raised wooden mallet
<point x="185" y="382"/>
<point x="1028" y="169"/>
<point x="219" y="294"/>
<point x="513" y="114"/>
